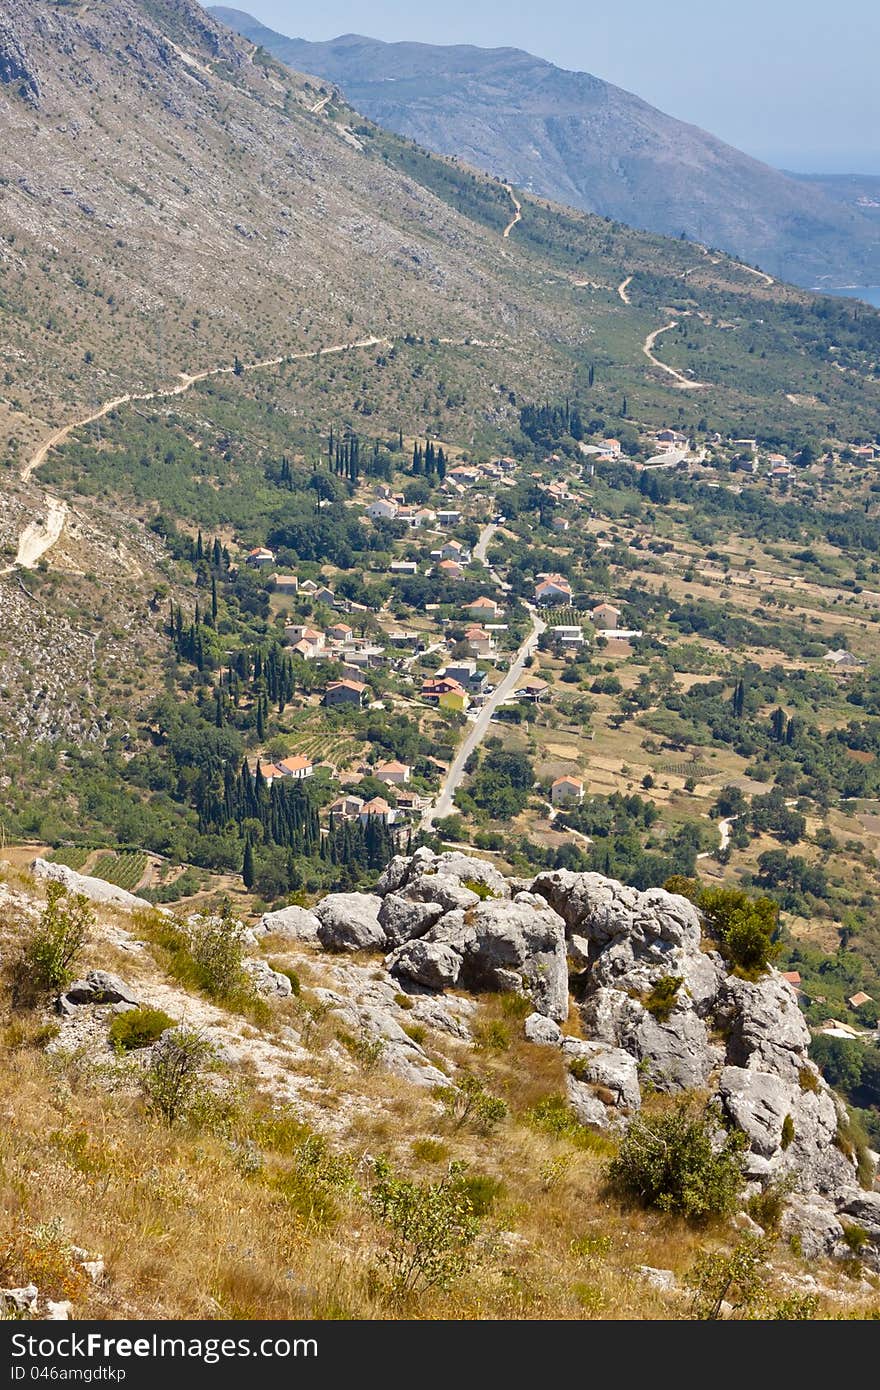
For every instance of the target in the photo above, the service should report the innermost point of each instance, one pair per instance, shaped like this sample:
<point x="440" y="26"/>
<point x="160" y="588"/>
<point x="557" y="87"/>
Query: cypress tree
<point x="247" y="868"/>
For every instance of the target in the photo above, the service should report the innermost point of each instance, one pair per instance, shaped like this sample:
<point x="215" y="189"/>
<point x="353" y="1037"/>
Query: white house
<point x="260" y="558"/>
<point x="570" y="636"/>
<point x="567" y="791"/>
<point x="382" y="509"/>
<point x="298" y="767"/>
<point x="395" y="773"/>
<point x="553" y="590"/>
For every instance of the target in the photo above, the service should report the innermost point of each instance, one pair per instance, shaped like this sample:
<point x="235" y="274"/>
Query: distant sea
<point x="870" y="293"/>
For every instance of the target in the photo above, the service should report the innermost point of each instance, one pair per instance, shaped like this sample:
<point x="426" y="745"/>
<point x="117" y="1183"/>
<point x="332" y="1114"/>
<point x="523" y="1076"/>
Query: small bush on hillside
<point x="768" y="1207"/>
<point x="672" y="1161"/>
<point x="492" y="1036"/>
<point x="138" y="1028"/>
<point x="807" y="1079"/>
<point x="171" y="1081"/>
<point x="856" y="1237"/>
<point x="787" y="1132"/>
<point x="430" y="1151"/>
<point x="663" y="998"/>
<point x="45" y="1257"/>
<point x="290" y="973"/>
<point x="46" y="961"/>
<point x="554" y="1116"/>
<point x="217" y="950"/>
<point x="736" y="1280"/>
<point x="852" y="1141"/>
<point x="482" y="890"/>
<point x="743" y="927"/>
<point x="468" y="1102"/>
<point x="431" y="1227"/>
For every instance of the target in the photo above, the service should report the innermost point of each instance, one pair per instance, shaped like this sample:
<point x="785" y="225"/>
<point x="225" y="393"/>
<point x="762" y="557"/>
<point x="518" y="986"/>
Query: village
<point x="419" y="647"/>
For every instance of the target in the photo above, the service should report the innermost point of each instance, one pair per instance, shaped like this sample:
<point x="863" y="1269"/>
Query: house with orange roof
<point x="479" y="641"/>
<point x="567" y="791"/>
<point x="552" y="590"/>
<point x="260" y="558"/>
<point x="450" y="570"/>
<point x="298" y="767"/>
<point x="377" y="807"/>
<point x="483" y="608"/>
<point x="394" y="772"/>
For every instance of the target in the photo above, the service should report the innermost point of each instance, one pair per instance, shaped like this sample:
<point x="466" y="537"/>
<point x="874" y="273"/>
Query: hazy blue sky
<point x="794" y="82"/>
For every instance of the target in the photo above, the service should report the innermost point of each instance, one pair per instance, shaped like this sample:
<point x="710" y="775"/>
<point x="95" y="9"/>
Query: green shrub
<point x="431" y="1228"/>
<point x="138" y="1028"/>
<point x="482" y="890"/>
<point x="217" y="950"/>
<point x="663" y="998"/>
<point x="852" y="1141"/>
<point x="172" y="1080"/>
<point x="482" y="1191"/>
<point x="768" y="1207"/>
<point x="403" y="1001"/>
<point x="468" y="1102"/>
<point x="516" y="1006"/>
<point x="787" y="1132"/>
<point x="430" y="1151"/>
<point x="743" y="927"/>
<point x="672" y="1161"/>
<point x="416" y="1031"/>
<point x="856" y="1237"/>
<point x="554" y="1116"/>
<point x="492" y="1036"/>
<point x="807" y="1079"/>
<point x="734" y="1280"/>
<point x="366" y="1049"/>
<point x="46" y="961"/>
<point x="310" y="1180"/>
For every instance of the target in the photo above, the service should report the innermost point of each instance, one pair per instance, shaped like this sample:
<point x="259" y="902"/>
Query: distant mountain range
<point x="577" y="140"/>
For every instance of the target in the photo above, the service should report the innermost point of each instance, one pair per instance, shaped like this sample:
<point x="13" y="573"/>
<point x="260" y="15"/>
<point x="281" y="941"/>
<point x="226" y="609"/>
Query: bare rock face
<point x="430" y="963"/>
<point x="406" y="872"/>
<point x="290" y="923"/>
<point x="97" y="987"/>
<point x="350" y="922"/>
<point x="405" y="919"/>
<point x="16" y="69"/>
<point x="656" y="1003"/>
<point x="766" y="1025"/>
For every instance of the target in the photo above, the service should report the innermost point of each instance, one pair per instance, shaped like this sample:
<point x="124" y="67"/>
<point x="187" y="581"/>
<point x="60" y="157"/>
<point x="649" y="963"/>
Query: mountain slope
<point x="584" y="142"/>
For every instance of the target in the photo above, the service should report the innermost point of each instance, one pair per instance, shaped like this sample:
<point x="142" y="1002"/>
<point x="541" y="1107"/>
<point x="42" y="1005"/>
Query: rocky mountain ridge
<point x="450" y="926"/>
<point x="584" y="142"/>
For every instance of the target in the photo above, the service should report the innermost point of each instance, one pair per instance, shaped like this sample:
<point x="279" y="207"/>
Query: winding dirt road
<point x="39" y="537"/>
<point x="724" y="830"/>
<point x="682" y="382"/>
<point x="762" y="274"/>
<point x="623" y="287"/>
<point x="517" y="213"/>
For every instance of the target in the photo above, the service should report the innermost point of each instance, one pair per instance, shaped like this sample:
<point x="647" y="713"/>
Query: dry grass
<point x="253" y="1214"/>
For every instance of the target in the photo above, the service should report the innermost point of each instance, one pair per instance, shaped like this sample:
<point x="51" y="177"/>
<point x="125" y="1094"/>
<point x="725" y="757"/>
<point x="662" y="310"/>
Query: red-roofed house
<point x="567" y="791"/>
<point x="394" y="772"/>
<point x="345" y="692"/>
<point x="553" y="589"/>
<point x="297" y="767"/>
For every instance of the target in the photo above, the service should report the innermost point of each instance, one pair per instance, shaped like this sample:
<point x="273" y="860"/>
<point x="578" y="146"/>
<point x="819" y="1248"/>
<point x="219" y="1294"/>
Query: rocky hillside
<point x="485" y="1044"/>
<point x="571" y="137"/>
